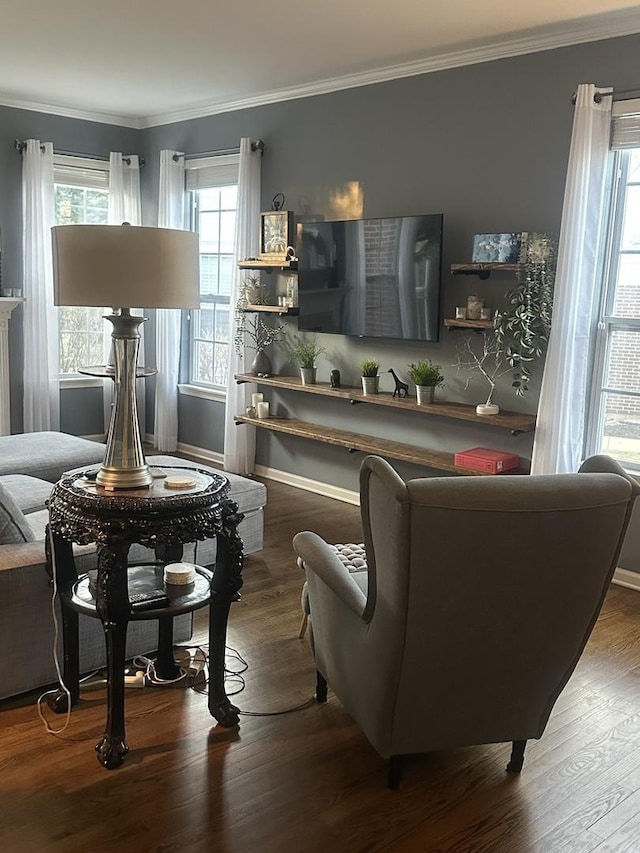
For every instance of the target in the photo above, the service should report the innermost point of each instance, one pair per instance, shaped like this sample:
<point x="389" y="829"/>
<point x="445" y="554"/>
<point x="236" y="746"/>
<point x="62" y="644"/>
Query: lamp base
<point x="124" y="478"/>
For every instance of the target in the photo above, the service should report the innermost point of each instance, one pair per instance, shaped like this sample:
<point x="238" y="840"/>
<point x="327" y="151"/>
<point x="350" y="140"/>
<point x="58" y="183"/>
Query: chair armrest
<point x="321" y="559"/>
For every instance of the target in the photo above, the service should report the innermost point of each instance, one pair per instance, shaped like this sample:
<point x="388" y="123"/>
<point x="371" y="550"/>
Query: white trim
<point x="304" y="483"/>
<point x="593" y="28"/>
<point x="216" y="395"/>
<point x="621" y="108"/>
<point x="71" y="112"/>
<point x="80" y="382"/>
<point x="623" y="577"/>
<point x="564" y="34"/>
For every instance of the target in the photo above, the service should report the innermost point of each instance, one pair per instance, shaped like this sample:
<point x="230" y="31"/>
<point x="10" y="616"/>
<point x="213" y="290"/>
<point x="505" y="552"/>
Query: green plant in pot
<point x="305" y="351"/>
<point x="427" y="377"/>
<point x="370" y="379"/>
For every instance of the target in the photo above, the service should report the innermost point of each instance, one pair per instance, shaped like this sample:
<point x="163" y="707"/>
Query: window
<point x="81" y="197"/>
<point x="614" y="423"/>
<point x="214" y="196"/>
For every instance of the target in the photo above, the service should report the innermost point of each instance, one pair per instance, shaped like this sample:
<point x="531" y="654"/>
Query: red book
<point x="488" y="461"/>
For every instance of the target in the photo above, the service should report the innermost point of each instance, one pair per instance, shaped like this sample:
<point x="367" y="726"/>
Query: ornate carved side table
<point x="163" y="519"/>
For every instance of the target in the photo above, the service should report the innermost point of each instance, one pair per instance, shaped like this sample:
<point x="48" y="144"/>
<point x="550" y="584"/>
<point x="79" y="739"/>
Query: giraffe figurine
<point x="402" y="389"/>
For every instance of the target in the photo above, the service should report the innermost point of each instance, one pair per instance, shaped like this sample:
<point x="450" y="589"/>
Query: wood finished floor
<point x="308" y="781"/>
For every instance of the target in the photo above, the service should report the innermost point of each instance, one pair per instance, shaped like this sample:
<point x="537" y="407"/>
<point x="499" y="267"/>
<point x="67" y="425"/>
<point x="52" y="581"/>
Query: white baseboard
<point x="304" y="483"/>
<point x="623" y="577"/>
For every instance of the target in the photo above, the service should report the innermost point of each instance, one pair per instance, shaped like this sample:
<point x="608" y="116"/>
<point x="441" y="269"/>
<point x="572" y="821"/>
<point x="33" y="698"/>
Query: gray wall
<point x="81" y="412"/>
<point x="486" y="145"/>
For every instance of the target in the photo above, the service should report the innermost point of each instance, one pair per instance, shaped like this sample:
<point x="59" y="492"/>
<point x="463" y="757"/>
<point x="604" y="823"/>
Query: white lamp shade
<point x="125" y="266"/>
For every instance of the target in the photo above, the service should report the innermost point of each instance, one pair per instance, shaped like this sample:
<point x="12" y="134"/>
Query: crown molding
<point x="71" y="112"/>
<point x="592" y="28"/>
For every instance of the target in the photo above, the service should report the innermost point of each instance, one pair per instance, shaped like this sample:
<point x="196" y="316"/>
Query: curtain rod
<point x="622" y="95"/>
<point x="20" y="146"/>
<point x="257" y="145"/>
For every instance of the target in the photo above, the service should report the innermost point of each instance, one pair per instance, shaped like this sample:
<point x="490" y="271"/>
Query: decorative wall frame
<point x="507" y="248"/>
<point x="276" y="234"/>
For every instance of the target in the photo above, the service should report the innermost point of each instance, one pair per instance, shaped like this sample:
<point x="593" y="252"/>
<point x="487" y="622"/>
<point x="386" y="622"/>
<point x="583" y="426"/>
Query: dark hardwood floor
<point x="308" y="781"/>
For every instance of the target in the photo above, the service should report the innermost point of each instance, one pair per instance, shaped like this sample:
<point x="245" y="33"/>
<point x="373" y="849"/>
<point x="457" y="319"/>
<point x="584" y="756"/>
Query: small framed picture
<point x="276" y="234"/>
<point x="499" y="248"/>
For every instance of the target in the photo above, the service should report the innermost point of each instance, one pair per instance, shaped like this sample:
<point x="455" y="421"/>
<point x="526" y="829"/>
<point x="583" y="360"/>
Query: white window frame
<point x="205" y="173"/>
<point x="625" y="136"/>
<point x="88" y="173"/>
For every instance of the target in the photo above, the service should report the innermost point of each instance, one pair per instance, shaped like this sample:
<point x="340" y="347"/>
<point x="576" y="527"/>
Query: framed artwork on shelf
<point x="499" y="248"/>
<point x="276" y="234"/>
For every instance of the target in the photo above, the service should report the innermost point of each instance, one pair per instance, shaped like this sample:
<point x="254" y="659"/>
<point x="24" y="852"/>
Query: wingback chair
<point x="480" y="595"/>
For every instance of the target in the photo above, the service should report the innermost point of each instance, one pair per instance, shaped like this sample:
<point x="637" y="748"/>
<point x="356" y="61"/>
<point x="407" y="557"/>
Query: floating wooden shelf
<point x="354" y="441"/>
<point x="483" y="270"/>
<point x="268" y="266"/>
<point x="468" y="324"/>
<point x="271" y="309"/>
<point x="512" y="421"/>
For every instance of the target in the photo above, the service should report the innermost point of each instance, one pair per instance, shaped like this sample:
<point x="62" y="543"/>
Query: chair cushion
<point x="29" y="493"/>
<point x="13" y="525"/>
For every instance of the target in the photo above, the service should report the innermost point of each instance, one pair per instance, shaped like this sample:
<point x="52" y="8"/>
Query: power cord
<point x="56" y="634"/>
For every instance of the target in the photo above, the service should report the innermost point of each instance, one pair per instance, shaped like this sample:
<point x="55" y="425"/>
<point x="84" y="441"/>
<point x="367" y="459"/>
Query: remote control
<point x="149" y="600"/>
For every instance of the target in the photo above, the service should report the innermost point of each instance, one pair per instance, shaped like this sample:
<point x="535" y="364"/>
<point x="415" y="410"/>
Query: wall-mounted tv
<point x="377" y="278"/>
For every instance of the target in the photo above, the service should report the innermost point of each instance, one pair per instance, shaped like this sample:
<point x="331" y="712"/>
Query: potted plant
<point x="522" y="329"/>
<point x="250" y="330"/>
<point x="427" y="377"/>
<point x="305" y="351"/>
<point x="370" y="379"/>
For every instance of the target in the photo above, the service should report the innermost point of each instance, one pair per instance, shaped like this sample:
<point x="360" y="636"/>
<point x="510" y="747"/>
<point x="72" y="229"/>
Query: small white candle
<point x="262" y="410"/>
<point x="256" y="398"/>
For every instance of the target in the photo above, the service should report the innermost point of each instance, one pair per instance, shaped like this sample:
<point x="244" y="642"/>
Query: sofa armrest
<point x="22" y="554"/>
<point x="321" y="559"/>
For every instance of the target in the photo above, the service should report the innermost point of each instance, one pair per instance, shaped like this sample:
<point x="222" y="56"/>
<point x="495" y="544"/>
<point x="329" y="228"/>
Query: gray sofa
<point x="29" y="465"/>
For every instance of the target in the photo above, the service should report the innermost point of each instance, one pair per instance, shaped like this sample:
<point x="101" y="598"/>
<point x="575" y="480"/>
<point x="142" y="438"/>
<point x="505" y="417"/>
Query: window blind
<point x="625" y="124"/>
<point x="207" y="172"/>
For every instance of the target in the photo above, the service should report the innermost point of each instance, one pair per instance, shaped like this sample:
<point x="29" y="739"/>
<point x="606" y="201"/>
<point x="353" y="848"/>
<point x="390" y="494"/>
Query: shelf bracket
<point x="354" y="402"/>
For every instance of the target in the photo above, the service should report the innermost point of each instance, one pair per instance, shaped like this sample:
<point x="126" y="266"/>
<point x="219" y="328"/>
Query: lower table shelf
<point x="354" y="441"/>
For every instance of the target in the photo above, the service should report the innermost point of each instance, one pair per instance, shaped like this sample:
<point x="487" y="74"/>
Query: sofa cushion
<point x="13" y="525"/>
<point x="29" y="493"/>
<point x="47" y="455"/>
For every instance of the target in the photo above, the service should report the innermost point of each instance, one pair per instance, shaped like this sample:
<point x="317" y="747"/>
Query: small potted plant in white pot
<point x="370" y="379"/>
<point x="427" y="377"/>
<point x="305" y="351"/>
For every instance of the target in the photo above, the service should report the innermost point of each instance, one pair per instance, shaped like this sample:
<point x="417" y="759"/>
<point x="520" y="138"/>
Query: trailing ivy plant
<point x="522" y="328"/>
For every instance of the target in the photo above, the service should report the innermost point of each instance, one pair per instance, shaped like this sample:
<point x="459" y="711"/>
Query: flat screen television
<point x="377" y="278"/>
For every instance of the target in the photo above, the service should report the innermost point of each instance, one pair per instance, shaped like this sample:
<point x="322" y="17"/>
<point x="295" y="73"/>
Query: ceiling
<point x="151" y="62"/>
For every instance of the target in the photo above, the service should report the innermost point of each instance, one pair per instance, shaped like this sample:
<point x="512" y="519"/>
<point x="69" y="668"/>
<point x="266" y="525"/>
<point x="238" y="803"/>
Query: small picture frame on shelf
<point x="276" y="234"/>
<point x="509" y="248"/>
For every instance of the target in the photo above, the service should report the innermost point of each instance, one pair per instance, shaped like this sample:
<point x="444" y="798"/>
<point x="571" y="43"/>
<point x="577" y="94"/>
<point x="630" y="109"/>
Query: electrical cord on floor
<point x="236" y="676"/>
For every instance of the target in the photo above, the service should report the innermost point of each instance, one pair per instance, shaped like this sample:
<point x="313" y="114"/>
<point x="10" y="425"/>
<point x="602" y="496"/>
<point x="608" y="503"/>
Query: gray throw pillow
<point x="13" y="524"/>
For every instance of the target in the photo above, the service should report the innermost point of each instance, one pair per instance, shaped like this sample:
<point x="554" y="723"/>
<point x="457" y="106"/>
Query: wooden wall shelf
<point x="483" y="271"/>
<point x="271" y="309"/>
<point x="354" y="442"/>
<point x="468" y="324"/>
<point x="268" y="266"/>
<point x="512" y="421"/>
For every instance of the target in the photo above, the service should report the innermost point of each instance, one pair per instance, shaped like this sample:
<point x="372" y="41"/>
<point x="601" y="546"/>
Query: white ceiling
<point x="147" y="62"/>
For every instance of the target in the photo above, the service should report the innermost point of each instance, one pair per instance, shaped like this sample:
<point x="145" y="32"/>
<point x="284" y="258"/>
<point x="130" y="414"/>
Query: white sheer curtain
<point x="240" y="441"/>
<point x="171" y="214"/>
<point x="41" y="401"/>
<point x="561" y="423"/>
<point x="124" y="206"/>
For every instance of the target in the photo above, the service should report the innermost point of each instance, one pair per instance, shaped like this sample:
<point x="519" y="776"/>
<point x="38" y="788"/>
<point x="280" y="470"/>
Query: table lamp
<point x="125" y="266"/>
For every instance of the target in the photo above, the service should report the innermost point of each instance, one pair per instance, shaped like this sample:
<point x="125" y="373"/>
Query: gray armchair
<point x="480" y="597"/>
